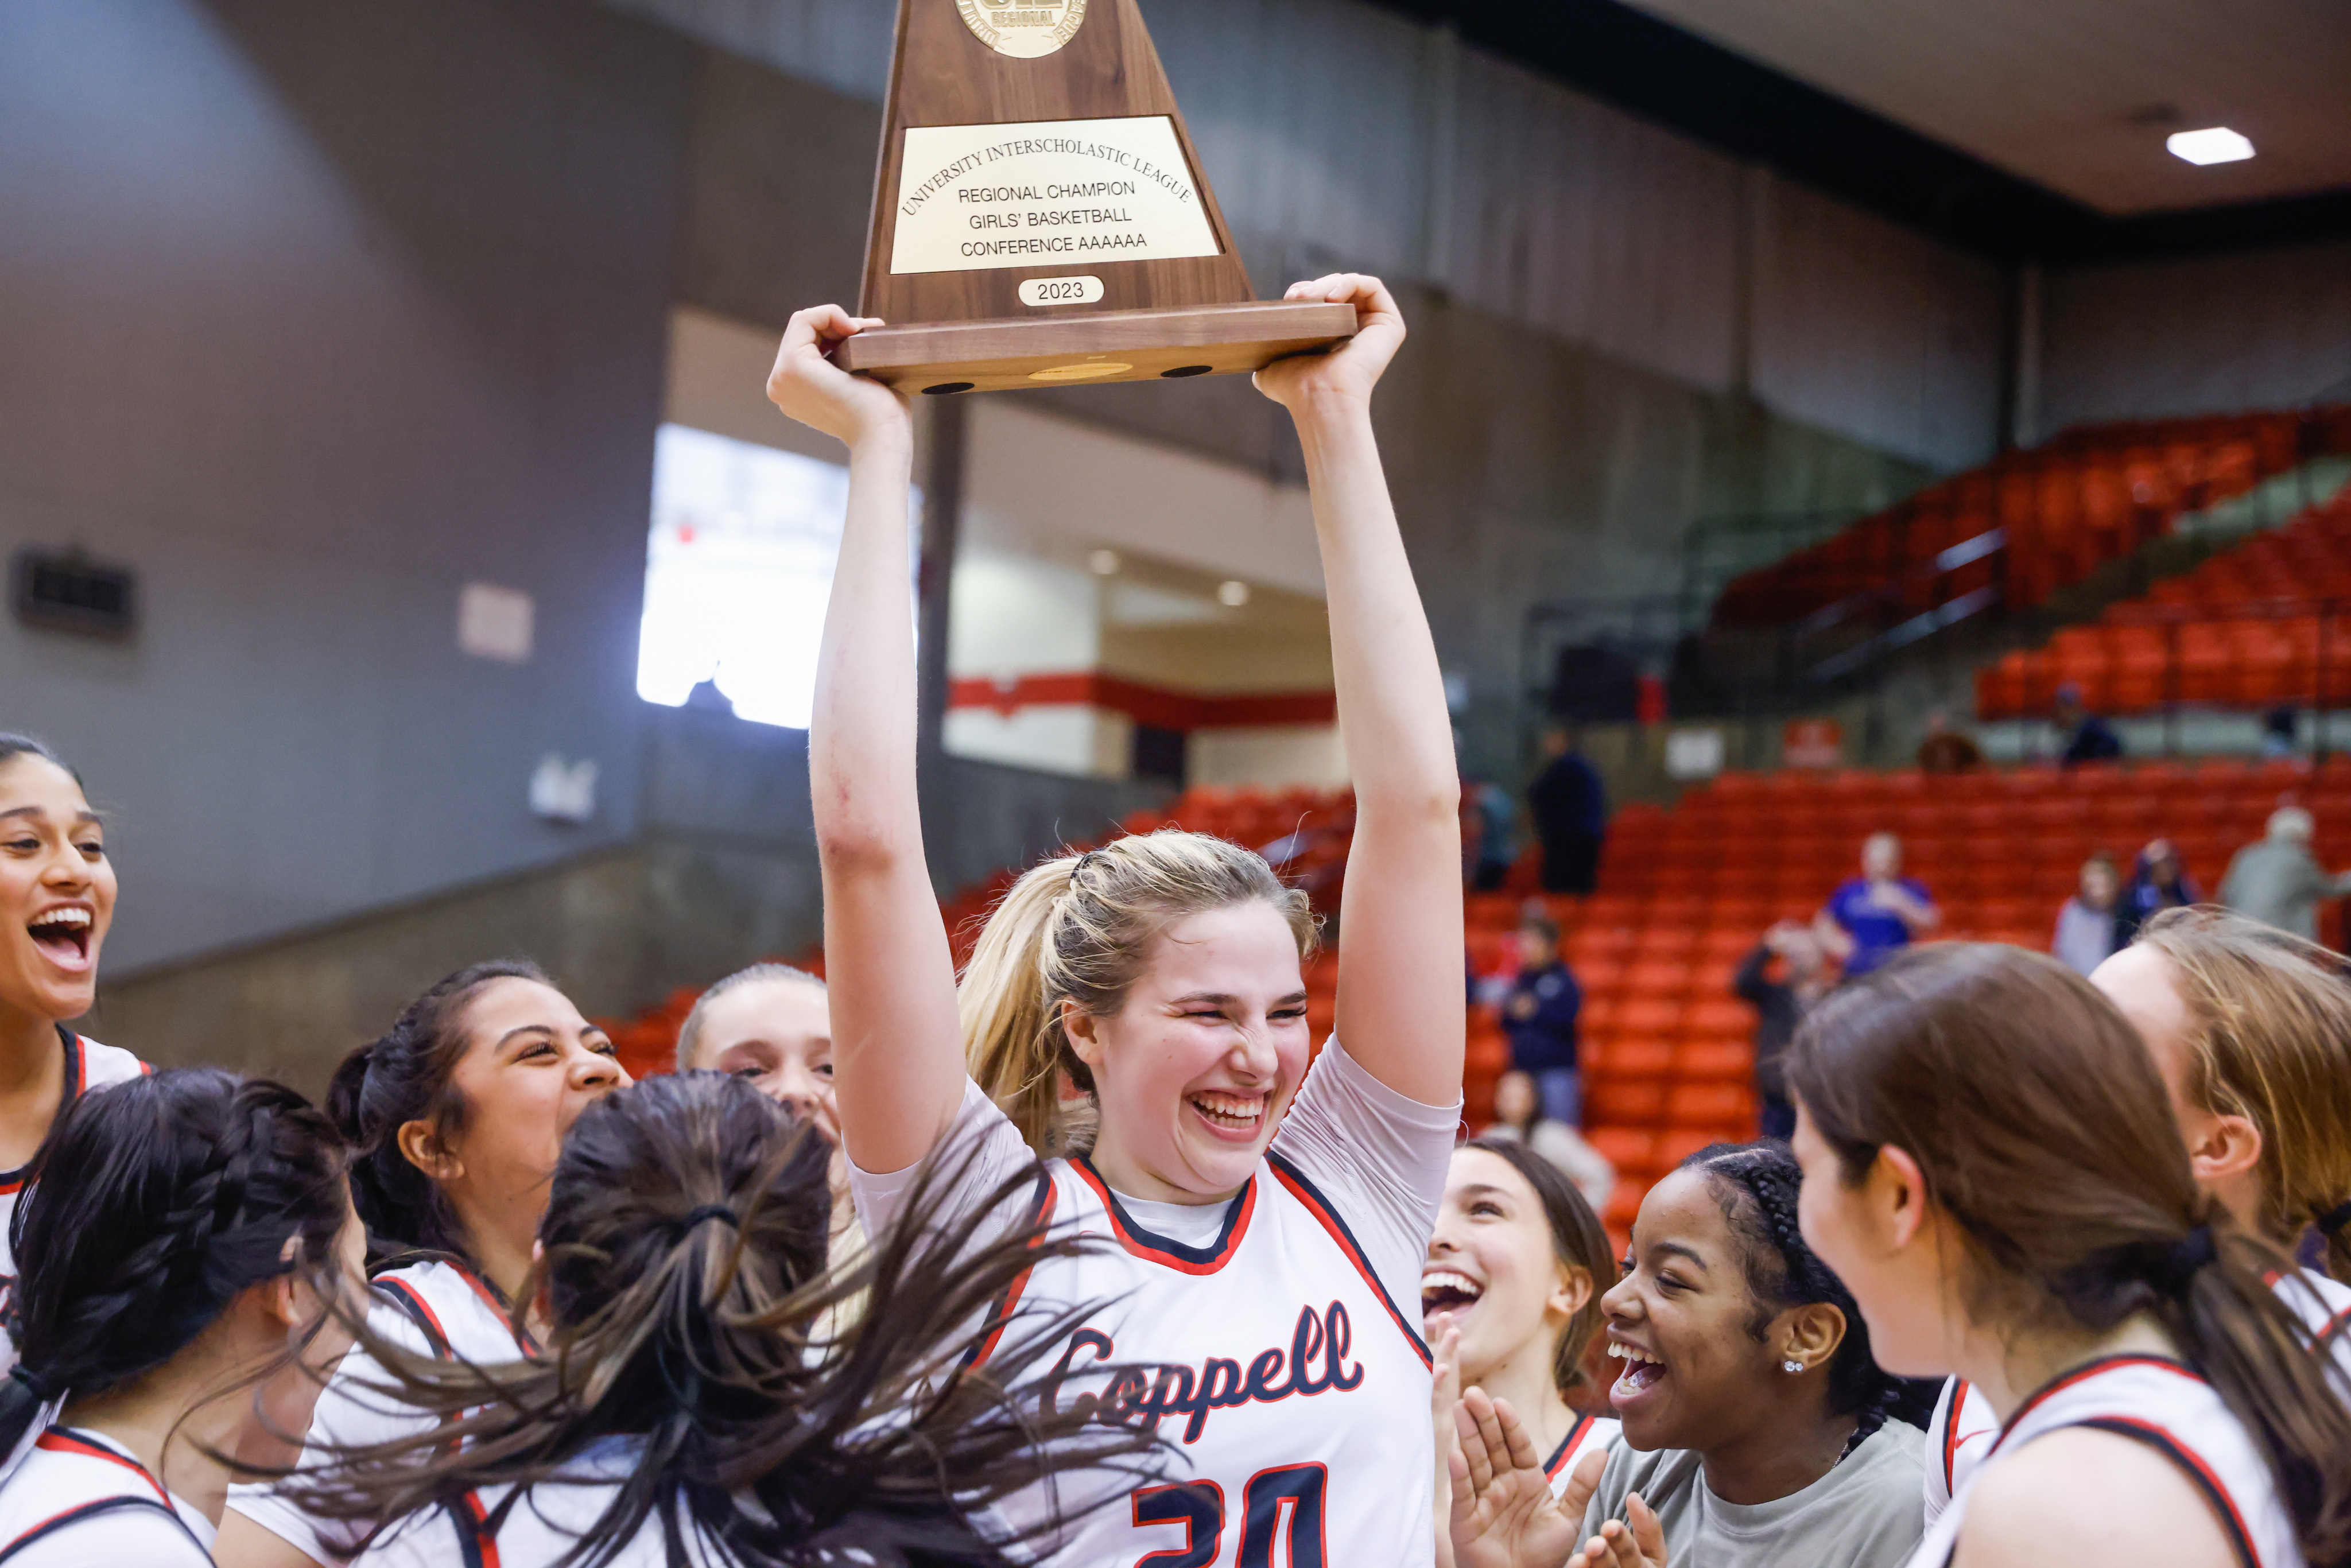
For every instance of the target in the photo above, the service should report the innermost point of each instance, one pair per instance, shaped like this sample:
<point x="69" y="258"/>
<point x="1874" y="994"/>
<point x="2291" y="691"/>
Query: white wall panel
<point x="2204" y="335"/>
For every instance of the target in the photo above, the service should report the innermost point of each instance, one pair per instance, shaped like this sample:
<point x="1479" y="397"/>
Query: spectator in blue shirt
<point x="1539" y="1015"/>
<point x="1878" y="912"/>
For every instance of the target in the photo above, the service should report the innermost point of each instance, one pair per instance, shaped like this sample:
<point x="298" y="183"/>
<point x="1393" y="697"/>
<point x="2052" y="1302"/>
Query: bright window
<point x="737" y="569"/>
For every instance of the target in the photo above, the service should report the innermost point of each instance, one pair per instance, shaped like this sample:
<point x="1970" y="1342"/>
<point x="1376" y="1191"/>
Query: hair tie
<point x="1084" y="861"/>
<point x="2334" y="1218"/>
<point x="34" y="1383"/>
<point x="707" y="1211"/>
<point x="2182" y="1261"/>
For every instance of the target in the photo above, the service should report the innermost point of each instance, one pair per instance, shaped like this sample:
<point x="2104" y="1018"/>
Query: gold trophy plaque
<point x="1041" y="217"/>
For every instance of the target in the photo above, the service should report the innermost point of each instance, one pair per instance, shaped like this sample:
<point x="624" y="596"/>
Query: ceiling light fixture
<point x="1232" y="594"/>
<point x="1103" y="562"/>
<point x="2215" y="144"/>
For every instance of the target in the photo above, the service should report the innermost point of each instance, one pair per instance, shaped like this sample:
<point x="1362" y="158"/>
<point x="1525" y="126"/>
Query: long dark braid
<point x="1756" y="1186"/>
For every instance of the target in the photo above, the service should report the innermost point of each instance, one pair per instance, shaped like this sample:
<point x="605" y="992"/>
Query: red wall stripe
<point x="1158" y="706"/>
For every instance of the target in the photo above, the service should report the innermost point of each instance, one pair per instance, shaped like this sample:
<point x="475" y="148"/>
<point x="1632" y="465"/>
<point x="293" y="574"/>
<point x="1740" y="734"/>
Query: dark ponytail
<point x="403" y="1076"/>
<point x="2043" y="1130"/>
<point x="1756" y="1186"/>
<point x="1578" y="1240"/>
<point x="159" y="1201"/>
<point x="685" y="1276"/>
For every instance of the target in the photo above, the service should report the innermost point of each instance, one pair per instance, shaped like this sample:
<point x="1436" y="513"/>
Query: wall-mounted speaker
<point x="65" y="591"/>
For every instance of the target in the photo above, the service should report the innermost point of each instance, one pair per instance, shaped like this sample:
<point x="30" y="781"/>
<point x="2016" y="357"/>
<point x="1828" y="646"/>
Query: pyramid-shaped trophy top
<point x="1040" y="215"/>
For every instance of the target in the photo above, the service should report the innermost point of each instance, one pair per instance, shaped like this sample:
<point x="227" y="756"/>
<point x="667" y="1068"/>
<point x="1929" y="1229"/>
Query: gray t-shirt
<point x="1863" y="1514"/>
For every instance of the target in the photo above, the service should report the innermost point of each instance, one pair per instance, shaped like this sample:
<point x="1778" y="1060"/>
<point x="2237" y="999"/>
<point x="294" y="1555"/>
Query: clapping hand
<point x="1503" y="1513"/>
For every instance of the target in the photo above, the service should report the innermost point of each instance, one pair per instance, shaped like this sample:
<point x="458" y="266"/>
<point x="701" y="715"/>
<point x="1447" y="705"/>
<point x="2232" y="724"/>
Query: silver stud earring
<point x="1791" y="1367"/>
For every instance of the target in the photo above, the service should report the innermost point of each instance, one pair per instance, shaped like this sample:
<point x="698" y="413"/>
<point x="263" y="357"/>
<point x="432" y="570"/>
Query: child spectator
<point x="2085" y="926"/>
<point x="1878" y="912"/>
<point x="2157" y="884"/>
<point x="1539" y="1014"/>
<point x="1780" y="1007"/>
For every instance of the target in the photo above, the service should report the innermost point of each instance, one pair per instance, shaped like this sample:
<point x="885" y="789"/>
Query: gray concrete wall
<point x="721" y="875"/>
<point x="312" y="315"/>
<point x="2208" y="334"/>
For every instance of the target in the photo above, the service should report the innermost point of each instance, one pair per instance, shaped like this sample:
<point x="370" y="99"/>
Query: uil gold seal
<point x="1024" y="29"/>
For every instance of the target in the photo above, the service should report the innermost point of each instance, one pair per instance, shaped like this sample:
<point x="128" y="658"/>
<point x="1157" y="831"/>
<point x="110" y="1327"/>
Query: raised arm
<point x="897" y="1049"/>
<point x="1400" y="1009"/>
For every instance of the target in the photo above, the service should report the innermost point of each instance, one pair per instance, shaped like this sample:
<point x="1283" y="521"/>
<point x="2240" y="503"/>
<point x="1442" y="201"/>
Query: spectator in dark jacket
<point x="2158" y="883"/>
<point x="1780" y="1007"/>
<point x="1539" y="1015"/>
<point x="1570" y="808"/>
<point x="2089" y="737"/>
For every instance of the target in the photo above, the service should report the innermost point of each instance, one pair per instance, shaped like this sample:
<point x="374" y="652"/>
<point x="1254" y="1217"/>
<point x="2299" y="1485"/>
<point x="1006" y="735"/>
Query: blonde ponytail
<point x="1079" y="929"/>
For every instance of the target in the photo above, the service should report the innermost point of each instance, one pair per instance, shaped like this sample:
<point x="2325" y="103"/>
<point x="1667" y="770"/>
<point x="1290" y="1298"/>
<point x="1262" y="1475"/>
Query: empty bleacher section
<point x="2032" y="522"/>
<point x="2253" y="626"/>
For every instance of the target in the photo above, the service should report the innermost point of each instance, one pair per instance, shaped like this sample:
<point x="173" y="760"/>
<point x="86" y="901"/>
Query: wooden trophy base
<point x="945" y="357"/>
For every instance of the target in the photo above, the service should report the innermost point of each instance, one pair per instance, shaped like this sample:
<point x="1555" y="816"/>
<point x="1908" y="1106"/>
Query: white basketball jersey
<point x="1589" y="1432"/>
<point x="2171" y="1408"/>
<point x="1292" y="1391"/>
<point x="433" y="1309"/>
<point x="543" y="1529"/>
<point x="1964" y="1427"/>
<point x="88" y="1065"/>
<point x="80" y="1500"/>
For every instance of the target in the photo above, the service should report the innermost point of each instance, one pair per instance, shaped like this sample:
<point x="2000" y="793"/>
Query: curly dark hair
<point x="401" y="1077"/>
<point x="1757" y="1184"/>
<point x="159" y="1200"/>
<point x="686" y="1284"/>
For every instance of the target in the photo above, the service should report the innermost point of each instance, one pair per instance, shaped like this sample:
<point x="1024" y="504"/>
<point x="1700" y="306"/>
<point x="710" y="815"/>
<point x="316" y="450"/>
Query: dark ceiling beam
<point x="1753" y="113"/>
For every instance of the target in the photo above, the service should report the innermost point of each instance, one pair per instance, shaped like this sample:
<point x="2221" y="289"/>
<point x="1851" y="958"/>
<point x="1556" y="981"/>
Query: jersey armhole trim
<point x="2164" y="1443"/>
<point x="105" y="1505"/>
<point x="1295" y="1181"/>
<point x="1040" y="1214"/>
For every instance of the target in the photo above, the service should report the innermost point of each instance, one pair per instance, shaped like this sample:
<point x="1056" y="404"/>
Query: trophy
<point x="1041" y="217"/>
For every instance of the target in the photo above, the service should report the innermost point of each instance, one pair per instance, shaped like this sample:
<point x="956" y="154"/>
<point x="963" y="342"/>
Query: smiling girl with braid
<point x="188" y="1248"/>
<point x="1756" y="1429"/>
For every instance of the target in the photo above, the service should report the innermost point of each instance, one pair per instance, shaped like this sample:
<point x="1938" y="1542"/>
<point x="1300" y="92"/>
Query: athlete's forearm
<point x="897" y="1056"/>
<point x="1400" y="989"/>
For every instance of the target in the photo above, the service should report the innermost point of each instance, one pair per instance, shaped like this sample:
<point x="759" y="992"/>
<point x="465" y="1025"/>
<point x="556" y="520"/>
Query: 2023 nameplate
<point x="971" y="197"/>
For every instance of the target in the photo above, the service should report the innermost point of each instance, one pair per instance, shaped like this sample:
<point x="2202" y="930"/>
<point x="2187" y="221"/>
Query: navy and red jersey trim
<point x="77" y="1085"/>
<point x="77" y="1080"/>
<point x="1307" y="1193"/>
<point x="2164" y="1443"/>
<point x="66" y="1440"/>
<point x="1567" y="1446"/>
<point x="1041" y="1215"/>
<point x="413" y="1305"/>
<point x="1951" y="1433"/>
<point x="2058" y="1384"/>
<point x="1156" y="1248"/>
<point x="96" y="1510"/>
<point x="475" y="1539"/>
